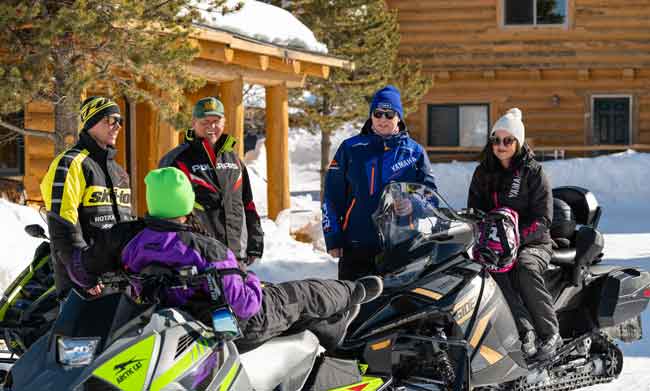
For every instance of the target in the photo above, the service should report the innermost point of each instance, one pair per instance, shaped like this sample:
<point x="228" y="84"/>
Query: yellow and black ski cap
<point x="94" y="109"/>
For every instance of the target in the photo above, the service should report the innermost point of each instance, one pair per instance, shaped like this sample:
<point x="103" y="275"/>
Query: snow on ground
<point x="263" y="22"/>
<point x="620" y="183"/>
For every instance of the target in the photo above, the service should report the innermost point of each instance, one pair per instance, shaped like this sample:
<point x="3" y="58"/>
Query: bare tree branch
<point x="27" y="132"/>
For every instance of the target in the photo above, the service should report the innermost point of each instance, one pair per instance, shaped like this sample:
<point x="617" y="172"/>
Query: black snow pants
<point x="525" y="290"/>
<point x="296" y="306"/>
<point x="356" y="263"/>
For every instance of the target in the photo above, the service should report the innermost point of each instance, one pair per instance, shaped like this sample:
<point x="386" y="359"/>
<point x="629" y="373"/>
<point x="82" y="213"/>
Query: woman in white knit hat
<point x="508" y="176"/>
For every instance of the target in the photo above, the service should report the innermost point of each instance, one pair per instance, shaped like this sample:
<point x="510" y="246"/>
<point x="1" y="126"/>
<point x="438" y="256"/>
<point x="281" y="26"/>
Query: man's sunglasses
<point x="389" y="114"/>
<point x="506" y="141"/>
<point x="114" y="120"/>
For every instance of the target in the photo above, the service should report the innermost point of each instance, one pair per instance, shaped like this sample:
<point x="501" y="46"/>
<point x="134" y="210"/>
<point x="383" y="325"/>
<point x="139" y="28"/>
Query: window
<point x="458" y="125"/>
<point x="611" y="120"/>
<point x="11" y="148"/>
<point x="535" y="12"/>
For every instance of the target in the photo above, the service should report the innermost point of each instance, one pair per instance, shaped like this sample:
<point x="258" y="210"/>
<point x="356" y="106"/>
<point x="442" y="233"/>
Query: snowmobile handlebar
<point x="155" y="277"/>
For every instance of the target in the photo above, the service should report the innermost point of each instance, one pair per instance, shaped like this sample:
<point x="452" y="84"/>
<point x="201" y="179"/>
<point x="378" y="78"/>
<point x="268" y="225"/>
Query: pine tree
<point x="56" y="50"/>
<point x="365" y="32"/>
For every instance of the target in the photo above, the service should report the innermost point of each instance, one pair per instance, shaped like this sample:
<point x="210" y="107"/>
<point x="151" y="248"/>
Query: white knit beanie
<point x="511" y="123"/>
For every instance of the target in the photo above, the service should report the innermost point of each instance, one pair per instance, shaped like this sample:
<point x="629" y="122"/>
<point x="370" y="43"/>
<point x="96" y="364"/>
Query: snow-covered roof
<point x="262" y="22"/>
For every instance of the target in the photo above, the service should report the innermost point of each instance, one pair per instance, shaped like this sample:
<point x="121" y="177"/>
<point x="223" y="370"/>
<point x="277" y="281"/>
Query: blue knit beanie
<point x="388" y="98"/>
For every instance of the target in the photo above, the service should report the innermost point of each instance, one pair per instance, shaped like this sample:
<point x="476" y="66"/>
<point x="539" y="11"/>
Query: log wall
<point x="603" y="49"/>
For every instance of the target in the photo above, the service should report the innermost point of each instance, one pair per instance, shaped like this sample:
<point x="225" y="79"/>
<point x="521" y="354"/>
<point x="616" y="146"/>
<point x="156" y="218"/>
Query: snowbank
<point x="263" y="22"/>
<point x="615" y="180"/>
<point x="17" y="247"/>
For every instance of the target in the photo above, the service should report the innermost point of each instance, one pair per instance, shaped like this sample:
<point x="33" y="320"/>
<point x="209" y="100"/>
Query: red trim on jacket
<point x="194" y="179"/>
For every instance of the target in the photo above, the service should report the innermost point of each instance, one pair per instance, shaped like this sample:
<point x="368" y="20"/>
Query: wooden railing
<point x="551" y="148"/>
<point x="444" y="154"/>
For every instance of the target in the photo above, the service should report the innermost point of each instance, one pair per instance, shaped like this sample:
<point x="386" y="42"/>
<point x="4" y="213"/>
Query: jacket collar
<point x="390" y="141"/>
<point x="87" y="142"/>
<point x="163" y="225"/>
<point x="225" y="142"/>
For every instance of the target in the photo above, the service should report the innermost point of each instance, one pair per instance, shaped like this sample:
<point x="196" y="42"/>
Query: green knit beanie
<point x="169" y="193"/>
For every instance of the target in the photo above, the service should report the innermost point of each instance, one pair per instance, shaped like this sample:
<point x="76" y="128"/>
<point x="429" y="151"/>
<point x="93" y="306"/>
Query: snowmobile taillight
<point x="646" y="293"/>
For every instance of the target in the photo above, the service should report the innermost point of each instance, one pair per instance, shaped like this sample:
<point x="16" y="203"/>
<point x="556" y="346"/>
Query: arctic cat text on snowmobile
<point x="443" y="323"/>
<point x="115" y="343"/>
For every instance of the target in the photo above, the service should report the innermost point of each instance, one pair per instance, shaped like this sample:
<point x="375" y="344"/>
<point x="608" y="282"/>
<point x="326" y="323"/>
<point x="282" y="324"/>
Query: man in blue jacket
<point x="382" y="153"/>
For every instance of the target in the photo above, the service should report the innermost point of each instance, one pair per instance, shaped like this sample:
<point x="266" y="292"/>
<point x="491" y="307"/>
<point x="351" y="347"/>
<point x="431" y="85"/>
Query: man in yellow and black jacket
<point x="85" y="193"/>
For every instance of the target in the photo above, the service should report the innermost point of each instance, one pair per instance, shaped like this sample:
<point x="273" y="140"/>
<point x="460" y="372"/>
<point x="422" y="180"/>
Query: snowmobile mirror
<point x="36" y="231"/>
<point x="225" y="323"/>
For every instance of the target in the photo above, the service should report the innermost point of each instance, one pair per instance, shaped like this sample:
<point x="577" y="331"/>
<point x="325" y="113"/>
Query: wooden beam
<point x="277" y="147"/>
<point x="252" y="60"/>
<point x="583" y="74"/>
<point x="215" y="51"/>
<point x="311" y="69"/>
<point x="205" y="35"/>
<point x="536" y="74"/>
<point x="489" y="75"/>
<point x="232" y="97"/>
<point x="218" y="72"/>
<point x="551" y="148"/>
<point x="147" y="137"/>
<point x="133" y="156"/>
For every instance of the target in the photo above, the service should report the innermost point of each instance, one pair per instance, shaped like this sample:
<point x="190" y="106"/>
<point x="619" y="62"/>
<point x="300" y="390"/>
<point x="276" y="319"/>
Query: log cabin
<point x="578" y="69"/>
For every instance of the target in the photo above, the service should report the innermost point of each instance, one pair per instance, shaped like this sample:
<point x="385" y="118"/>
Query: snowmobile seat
<point x="575" y="249"/>
<point x="563" y="234"/>
<point x="282" y="363"/>
<point x="582" y="202"/>
<point x="564" y="257"/>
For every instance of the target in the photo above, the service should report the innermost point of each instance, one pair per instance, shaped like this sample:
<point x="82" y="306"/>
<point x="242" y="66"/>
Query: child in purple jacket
<point x="326" y="307"/>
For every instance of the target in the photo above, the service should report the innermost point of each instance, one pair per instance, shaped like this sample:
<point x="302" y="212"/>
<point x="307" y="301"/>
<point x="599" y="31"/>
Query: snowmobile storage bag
<point x="331" y="373"/>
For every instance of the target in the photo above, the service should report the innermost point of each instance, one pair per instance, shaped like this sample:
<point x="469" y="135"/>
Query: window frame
<point x="457" y="105"/>
<point x="535" y="25"/>
<point x="20" y="151"/>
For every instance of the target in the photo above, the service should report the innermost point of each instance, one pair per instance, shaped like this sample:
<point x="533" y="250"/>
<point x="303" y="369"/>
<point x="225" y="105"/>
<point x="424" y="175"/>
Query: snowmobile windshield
<point x="418" y="228"/>
<point x="98" y="317"/>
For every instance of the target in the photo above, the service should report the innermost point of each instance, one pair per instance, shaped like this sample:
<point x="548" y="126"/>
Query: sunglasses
<point x="114" y="121"/>
<point x="506" y="141"/>
<point x="389" y="114"/>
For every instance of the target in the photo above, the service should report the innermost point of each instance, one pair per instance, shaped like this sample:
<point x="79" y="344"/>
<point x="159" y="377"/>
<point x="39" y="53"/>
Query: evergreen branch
<point x="27" y="132"/>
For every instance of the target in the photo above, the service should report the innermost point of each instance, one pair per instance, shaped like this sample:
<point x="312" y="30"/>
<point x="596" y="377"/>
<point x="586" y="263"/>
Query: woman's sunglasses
<point x="506" y="141"/>
<point x="114" y="120"/>
<point x="389" y="114"/>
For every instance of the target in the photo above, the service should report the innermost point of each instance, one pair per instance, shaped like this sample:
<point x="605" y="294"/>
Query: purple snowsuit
<point x="177" y="248"/>
<point x="317" y="305"/>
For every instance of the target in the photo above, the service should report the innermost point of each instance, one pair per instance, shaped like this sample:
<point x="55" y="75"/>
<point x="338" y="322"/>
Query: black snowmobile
<point x="443" y="323"/>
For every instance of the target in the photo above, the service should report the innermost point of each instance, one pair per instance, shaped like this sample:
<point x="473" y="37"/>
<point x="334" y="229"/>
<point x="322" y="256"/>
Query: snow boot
<point x="549" y="347"/>
<point x="528" y="344"/>
<point x="367" y="289"/>
<point x="331" y="332"/>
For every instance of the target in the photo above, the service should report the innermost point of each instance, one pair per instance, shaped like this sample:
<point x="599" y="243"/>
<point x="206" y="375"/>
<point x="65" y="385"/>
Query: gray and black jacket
<point x="523" y="187"/>
<point x="223" y="192"/>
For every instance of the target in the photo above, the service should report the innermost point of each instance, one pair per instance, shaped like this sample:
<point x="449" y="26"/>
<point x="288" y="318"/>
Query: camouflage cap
<point x="207" y="106"/>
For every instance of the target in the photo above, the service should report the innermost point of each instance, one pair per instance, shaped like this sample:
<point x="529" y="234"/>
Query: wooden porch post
<point x="232" y="97"/>
<point x="277" y="149"/>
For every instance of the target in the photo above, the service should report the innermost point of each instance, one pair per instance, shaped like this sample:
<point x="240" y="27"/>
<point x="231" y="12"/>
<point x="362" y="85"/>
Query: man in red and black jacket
<point x="224" y="200"/>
